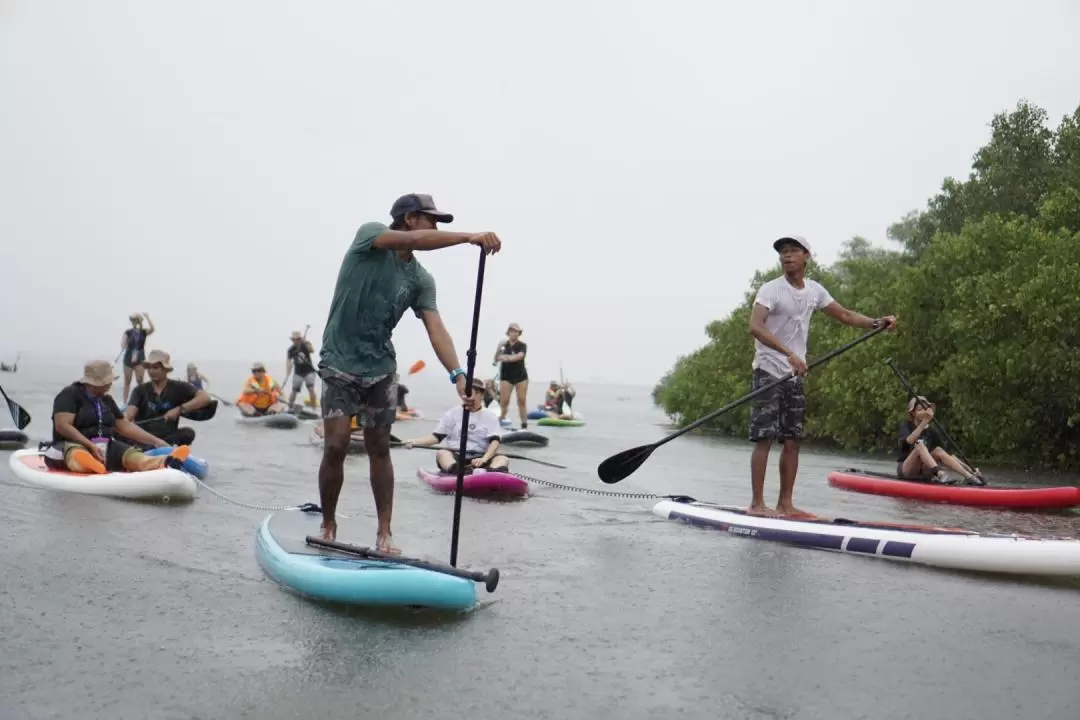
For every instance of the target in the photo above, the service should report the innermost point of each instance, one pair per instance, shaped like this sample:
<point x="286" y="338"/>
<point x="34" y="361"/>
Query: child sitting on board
<point x="482" y="446"/>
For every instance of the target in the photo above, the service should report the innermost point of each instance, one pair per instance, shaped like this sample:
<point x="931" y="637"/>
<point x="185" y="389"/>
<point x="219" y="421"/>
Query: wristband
<point x="455" y="373"/>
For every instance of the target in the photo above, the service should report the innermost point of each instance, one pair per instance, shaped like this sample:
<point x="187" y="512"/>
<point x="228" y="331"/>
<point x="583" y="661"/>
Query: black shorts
<point x="114" y="456"/>
<point x="779" y="413"/>
<point x="134" y="358"/>
<point x="513" y="374"/>
<point x="469" y="457"/>
<point x="372" y="401"/>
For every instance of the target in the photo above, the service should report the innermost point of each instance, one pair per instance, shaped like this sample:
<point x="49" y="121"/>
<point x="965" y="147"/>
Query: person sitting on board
<point x="922" y="454"/>
<point x="558" y="407"/>
<point x="551" y="397"/>
<point x="261" y="395"/>
<point x="195" y="378"/>
<point x="299" y="361"/>
<point x="156" y="406"/>
<point x="482" y="445"/>
<point x="132" y="345"/>
<point x="403" y="412"/>
<point x="86" y="423"/>
<point x="490" y="392"/>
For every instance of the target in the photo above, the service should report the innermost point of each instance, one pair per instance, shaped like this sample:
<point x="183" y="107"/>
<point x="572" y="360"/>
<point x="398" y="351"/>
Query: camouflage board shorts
<point x="372" y="400"/>
<point x="780" y="413"/>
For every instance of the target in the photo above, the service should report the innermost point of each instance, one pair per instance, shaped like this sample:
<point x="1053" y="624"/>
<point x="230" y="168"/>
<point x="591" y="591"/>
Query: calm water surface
<point x="115" y="609"/>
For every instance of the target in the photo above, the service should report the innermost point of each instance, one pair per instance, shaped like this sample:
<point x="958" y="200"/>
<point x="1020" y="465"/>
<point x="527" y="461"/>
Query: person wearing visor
<point x="780" y="326"/>
<point x="380" y="278"/>
<point x="482" y="445"/>
<point x="922" y="455"/>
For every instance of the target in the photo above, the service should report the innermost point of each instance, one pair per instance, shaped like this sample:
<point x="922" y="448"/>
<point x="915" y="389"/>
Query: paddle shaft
<point x="490" y="578"/>
<point x="512" y="456"/>
<point x="766" y="388"/>
<point x="470" y="367"/>
<point x="933" y="421"/>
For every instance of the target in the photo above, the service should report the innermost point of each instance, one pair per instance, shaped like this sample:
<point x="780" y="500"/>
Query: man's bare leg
<point x="377" y="444"/>
<point x="789" y="469"/>
<point x="332" y="471"/>
<point x="759" y="463"/>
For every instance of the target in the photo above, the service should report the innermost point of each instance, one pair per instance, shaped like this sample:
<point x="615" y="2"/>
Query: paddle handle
<point x="937" y="425"/>
<point x="490" y="578"/>
<point x="766" y="388"/>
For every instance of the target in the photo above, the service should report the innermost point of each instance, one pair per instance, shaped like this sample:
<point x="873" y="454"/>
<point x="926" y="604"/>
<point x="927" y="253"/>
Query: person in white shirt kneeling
<point x="482" y="445"/>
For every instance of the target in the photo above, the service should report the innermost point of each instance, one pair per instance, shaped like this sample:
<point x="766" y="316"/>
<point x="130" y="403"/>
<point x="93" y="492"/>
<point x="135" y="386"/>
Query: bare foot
<point x="761" y="509"/>
<point x="788" y="509"/>
<point x="385" y="544"/>
<point x="329" y="530"/>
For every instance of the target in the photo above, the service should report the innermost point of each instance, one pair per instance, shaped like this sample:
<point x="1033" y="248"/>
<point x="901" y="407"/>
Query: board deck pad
<point x="842" y="522"/>
<point x="290" y="528"/>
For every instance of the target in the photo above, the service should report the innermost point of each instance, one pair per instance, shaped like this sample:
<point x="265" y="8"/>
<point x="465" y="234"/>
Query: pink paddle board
<point x="480" y="483"/>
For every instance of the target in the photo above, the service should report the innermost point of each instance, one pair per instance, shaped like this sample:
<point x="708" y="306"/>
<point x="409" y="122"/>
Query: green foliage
<point x="987" y="290"/>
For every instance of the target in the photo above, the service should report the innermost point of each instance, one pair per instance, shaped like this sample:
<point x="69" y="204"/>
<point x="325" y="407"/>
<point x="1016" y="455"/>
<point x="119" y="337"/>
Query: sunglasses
<point x="256" y="372"/>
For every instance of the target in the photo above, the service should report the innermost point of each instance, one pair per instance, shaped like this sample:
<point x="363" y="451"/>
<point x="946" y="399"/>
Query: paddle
<point x="490" y="578"/>
<point x="512" y="456"/>
<point x="622" y="465"/>
<point x="19" y="416"/>
<point x="470" y="367"/>
<point x="196" y="415"/>
<point x="221" y="400"/>
<point x="933" y="421"/>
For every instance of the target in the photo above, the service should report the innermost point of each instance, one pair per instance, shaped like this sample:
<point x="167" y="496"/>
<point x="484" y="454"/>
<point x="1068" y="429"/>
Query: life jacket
<point x="256" y="400"/>
<point x="551" y="398"/>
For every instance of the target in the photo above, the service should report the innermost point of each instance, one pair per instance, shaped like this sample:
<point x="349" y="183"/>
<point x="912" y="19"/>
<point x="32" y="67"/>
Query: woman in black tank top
<point x="512" y="373"/>
<point x="133" y="345"/>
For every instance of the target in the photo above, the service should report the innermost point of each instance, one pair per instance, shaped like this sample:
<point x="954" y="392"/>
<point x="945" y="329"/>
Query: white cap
<point x="797" y="239"/>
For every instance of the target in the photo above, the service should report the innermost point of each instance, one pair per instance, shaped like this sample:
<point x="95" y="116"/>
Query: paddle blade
<point x="19" y="415"/>
<point x="621" y="466"/>
<point x="417" y="367"/>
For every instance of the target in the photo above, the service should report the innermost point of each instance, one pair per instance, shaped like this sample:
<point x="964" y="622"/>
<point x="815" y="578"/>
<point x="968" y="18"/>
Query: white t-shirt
<point x="483" y="426"/>
<point x="789" y="320"/>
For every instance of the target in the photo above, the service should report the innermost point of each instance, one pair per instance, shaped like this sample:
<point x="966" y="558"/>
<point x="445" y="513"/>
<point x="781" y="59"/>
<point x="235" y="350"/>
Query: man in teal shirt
<point x="379" y="280"/>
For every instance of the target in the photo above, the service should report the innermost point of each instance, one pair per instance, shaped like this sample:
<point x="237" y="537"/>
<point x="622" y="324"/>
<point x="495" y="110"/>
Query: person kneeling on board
<point x="162" y="401"/>
<point x="922" y="455"/>
<point x="86" y="421"/>
<point x="261" y="395"/>
<point x="482" y="446"/>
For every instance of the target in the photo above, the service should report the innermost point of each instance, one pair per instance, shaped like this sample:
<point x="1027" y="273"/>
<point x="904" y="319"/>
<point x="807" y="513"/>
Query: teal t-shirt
<point x="374" y="288"/>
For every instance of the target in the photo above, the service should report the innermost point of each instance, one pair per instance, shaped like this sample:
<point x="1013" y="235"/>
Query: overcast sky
<point x="209" y="161"/>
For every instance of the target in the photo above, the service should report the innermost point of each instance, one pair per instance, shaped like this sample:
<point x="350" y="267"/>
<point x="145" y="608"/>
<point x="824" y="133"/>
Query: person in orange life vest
<point x="261" y="394"/>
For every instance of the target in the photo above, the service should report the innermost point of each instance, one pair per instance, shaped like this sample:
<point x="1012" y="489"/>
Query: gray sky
<point x="209" y="162"/>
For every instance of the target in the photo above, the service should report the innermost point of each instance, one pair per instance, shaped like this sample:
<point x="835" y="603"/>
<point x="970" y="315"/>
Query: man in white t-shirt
<point x="780" y="324"/>
<point x="482" y="444"/>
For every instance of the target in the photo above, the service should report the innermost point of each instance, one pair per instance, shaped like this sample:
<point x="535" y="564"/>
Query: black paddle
<point x="199" y="415"/>
<point x="918" y="401"/>
<point x="622" y="465"/>
<point x="19" y="416"/>
<point x="490" y="578"/>
<point x="512" y="456"/>
<point x="221" y="400"/>
<point x="470" y="366"/>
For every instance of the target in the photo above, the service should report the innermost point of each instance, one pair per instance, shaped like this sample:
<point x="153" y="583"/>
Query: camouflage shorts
<point x="372" y="400"/>
<point x="779" y="413"/>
